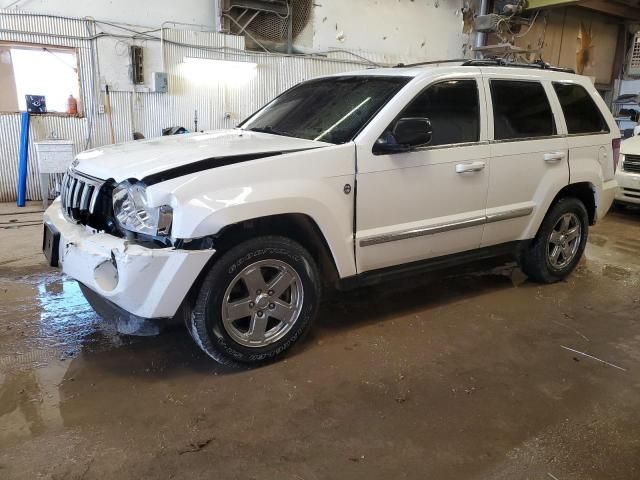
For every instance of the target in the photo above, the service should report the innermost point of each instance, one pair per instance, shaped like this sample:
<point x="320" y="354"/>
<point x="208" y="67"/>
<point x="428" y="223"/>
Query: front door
<point x="430" y="201"/>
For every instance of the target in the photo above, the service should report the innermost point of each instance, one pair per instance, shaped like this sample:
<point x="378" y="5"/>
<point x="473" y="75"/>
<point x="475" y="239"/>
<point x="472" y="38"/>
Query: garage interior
<point x="463" y="373"/>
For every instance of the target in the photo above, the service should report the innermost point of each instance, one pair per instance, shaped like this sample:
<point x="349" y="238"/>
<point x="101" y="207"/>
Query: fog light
<point x="106" y="275"/>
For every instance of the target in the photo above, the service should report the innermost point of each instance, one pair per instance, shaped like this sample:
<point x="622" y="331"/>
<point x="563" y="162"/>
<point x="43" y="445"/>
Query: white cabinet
<point x="54" y="156"/>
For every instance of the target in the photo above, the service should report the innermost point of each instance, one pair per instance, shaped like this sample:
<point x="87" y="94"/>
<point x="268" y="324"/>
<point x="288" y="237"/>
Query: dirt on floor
<point x="451" y="376"/>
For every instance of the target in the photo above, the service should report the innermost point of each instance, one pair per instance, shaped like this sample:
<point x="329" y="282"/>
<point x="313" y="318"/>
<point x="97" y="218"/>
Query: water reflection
<point x="66" y="319"/>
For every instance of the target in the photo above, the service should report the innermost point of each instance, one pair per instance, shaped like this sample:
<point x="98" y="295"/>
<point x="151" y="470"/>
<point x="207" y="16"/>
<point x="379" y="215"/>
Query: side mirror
<point x="407" y="133"/>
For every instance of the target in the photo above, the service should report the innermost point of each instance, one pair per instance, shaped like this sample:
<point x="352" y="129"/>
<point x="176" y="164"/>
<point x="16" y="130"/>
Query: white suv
<point x="628" y="174"/>
<point x="341" y="180"/>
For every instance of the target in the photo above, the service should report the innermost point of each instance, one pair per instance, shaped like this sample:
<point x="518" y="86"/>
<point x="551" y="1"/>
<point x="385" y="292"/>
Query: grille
<point x="631" y="192"/>
<point x="79" y="195"/>
<point x="631" y="163"/>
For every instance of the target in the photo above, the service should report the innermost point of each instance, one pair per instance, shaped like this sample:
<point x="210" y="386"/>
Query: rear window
<point x="580" y="111"/>
<point x="521" y="110"/>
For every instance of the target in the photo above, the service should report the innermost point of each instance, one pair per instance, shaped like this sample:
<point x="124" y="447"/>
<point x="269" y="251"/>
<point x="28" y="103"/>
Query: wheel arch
<point x="298" y="227"/>
<point x="585" y="192"/>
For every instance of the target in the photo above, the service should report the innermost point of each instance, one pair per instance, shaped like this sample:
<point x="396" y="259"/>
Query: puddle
<point x="46" y="317"/>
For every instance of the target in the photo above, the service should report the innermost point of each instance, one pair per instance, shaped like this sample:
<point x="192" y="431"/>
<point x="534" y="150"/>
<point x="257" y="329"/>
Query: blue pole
<point x="23" y="159"/>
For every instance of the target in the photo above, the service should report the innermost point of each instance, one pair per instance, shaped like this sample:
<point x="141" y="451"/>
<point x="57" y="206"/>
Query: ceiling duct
<point x="273" y="21"/>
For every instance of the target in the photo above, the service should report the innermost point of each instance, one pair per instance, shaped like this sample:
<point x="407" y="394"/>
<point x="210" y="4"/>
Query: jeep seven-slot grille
<point x="79" y="195"/>
<point x="631" y="163"/>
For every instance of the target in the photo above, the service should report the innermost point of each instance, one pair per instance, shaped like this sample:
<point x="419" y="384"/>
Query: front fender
<point x="310" y="183"/>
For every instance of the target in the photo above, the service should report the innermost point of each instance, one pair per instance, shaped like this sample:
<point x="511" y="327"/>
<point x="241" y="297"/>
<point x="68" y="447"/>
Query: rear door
<point x="529" y="155"/>
<point x="588" y="134"/>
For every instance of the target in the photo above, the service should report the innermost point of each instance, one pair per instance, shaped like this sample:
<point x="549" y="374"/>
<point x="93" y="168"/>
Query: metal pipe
<point x="481" y="37"/>
<point x="23" y="159"/>
<point x="217" y="15"/>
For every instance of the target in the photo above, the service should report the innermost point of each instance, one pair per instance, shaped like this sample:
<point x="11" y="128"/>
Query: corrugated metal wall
<point x="147" y="113"/>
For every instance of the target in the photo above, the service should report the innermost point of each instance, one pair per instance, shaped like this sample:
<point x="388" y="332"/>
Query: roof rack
<point x="499" y="62"/>
<point x="490" y="62"/>
<point x="432" y="62"/>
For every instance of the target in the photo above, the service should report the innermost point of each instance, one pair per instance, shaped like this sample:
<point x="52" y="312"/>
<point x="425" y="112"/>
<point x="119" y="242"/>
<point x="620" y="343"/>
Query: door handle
<point x="554" y="157"/>
<point x="470" y="167"/>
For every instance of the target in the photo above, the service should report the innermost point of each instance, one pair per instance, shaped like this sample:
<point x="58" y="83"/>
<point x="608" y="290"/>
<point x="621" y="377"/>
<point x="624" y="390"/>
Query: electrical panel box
<point x="137" y="70"/>
<point x="160" y="83"/>
<point x="633" y="65"/>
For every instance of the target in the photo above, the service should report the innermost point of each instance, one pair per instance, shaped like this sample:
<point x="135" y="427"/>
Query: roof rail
<point x="489" y="62"/>
<point x="499" y="62"/>
<point x="431" y="62"/>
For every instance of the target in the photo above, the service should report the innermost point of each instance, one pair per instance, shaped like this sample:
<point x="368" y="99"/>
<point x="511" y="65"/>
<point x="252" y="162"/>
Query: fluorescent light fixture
<point x="207" y="70"/>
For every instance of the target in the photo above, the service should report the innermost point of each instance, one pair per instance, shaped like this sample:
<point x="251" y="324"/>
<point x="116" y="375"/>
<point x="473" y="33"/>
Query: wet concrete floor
<point x="453" y="377"/>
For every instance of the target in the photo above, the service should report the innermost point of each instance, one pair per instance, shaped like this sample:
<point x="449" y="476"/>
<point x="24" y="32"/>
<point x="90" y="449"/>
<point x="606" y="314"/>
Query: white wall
<point x="398" y="29"/>
<point x="391" y="30"/>
<point x="150" y="13"/>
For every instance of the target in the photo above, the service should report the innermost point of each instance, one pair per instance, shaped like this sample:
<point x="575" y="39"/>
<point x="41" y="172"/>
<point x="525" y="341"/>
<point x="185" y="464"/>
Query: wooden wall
<point x="562" y="41"/>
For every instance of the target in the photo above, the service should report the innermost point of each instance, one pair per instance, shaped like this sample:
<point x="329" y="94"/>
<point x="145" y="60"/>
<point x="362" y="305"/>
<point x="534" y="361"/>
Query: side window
<point x="580" y="111"/>
<point x="452" y="107"/>
<point x="521" y="110"/>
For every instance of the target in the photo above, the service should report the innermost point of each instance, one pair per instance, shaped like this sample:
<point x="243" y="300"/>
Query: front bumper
<point x="146" y="282"/>
<point x="629" y="191"/>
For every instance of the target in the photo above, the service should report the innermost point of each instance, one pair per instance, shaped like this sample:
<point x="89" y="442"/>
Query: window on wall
<point x="580" y="111"/>
<point x="37" y="71"/>
<point x="521" y="110"/>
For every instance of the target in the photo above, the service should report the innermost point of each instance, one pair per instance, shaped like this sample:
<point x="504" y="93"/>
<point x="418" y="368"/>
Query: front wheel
<point x="257" y="300"/>
<point x="560" y="242"/>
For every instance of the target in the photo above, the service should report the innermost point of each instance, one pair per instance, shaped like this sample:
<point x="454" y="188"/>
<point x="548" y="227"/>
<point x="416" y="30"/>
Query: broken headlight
<point x="134" y="214"/>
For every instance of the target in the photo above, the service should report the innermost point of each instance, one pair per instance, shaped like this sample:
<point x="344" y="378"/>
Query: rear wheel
<point x="560" y="242"/>
<point x="258" y="299"/>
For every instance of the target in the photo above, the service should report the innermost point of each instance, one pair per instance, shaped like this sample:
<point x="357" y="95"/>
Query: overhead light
<point x="207" y="70"/>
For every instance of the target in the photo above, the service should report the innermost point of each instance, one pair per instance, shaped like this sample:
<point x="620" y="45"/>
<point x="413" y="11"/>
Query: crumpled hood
<point x="139" y="159"/>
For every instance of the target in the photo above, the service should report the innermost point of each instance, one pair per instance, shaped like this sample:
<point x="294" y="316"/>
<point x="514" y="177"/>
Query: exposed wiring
<point x="543" y="35"/>
<point x="13" y="3"/>
<point x="505" y="21"/>
<point x="94" y="79"/>
<point x="148" y="36"/>
<point x="368" y="61"/>
<point x="533" y="22"/>
<point x="74" y="68"/>
<point x="289" y="7"/>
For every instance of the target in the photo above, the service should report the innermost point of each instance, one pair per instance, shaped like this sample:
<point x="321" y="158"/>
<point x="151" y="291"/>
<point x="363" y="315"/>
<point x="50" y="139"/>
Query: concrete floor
<point x="461" y="377"/>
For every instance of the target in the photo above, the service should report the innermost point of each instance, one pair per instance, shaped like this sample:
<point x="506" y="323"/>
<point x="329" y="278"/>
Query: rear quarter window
<point x="521" y="110"/>
<point x="580" y="111"/>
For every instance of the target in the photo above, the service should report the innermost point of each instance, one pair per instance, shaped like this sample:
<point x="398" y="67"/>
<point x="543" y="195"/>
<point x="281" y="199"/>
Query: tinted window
<point x="453" y="109"/>
<point x="580" y="111"/>
<point x="330" y="109"/>
<point x="520" y="110"/>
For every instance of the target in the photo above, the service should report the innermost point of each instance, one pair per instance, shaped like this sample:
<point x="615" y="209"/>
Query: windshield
<point x="329" y="110"/>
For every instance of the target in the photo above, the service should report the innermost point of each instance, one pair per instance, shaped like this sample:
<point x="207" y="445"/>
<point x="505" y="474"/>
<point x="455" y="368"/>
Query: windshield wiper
<point x="271" y="130"/>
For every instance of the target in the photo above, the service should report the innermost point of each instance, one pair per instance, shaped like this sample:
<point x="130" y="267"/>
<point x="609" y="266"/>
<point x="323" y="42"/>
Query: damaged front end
<point x="142" y="279"/>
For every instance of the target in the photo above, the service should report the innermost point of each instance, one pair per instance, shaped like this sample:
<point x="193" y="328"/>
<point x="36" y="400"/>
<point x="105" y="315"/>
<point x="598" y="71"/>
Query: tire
<point x="237" y="320"/>
<point x="538" y="262"/>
